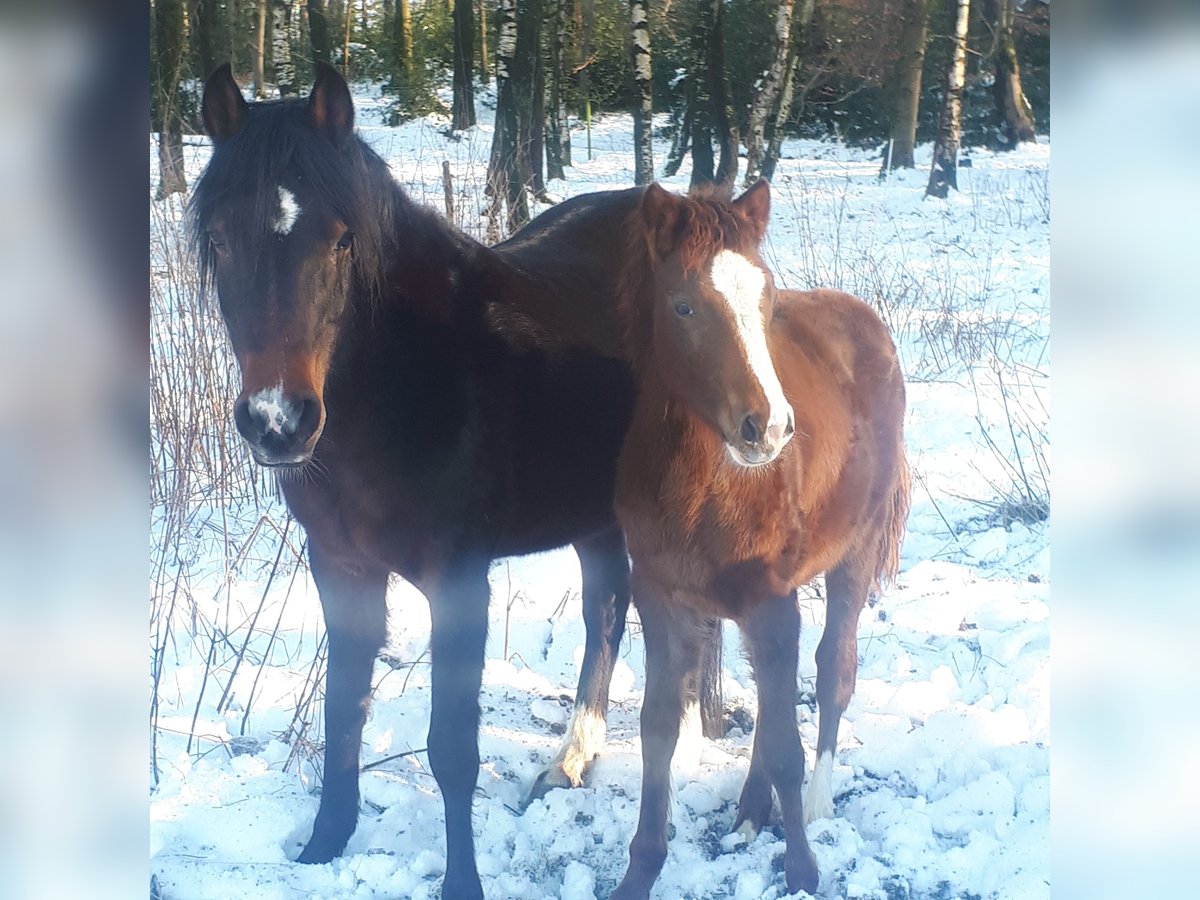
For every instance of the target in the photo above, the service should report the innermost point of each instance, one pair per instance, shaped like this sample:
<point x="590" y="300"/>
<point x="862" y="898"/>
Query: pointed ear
<point x="660" y="211"/>
<point x="330" y="108"/>
<point x="755" y="205"/>
<point x="223" y="108"/>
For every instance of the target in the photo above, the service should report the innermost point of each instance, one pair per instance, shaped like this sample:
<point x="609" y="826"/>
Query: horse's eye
<point x="345" y="242"/>
<point x="683" y="309"/>
<point x="215" y="241"/>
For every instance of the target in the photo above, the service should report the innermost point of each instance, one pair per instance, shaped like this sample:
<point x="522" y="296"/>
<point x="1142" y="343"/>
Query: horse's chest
<point x="362" y="504"/>
<point x="707" y="544"/>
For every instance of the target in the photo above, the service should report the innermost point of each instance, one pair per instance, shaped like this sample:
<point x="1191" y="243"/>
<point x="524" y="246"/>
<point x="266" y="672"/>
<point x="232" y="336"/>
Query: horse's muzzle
<point x="280" y="429"/>
<point x="758" y="445"/>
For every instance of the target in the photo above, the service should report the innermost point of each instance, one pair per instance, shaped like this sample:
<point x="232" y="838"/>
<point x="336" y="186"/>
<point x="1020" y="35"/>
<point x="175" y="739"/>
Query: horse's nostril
<point x="751" y="430"/>
<point x="309" y="418"/>
<point x="790" y="428"/>
<point x="247" y="427"/>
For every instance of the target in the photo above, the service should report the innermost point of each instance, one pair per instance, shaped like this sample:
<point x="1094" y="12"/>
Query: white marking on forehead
<point x="289" y="212"/>
<point x="272" y="406"/>
<point x="741" y="283"/>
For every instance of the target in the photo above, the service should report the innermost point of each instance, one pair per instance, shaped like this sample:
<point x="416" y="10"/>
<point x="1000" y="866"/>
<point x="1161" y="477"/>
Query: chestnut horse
<point x="766" y="447"/>
<point x="417" y="427"/>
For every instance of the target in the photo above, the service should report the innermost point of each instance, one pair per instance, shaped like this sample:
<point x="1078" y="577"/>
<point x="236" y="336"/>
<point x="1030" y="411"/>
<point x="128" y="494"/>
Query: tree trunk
<point x="530" y="90"/>
<point x="586" y="31"/>
<point x="558" y="135"/>
<point x="801" y="20"/>
<point x="281" y="47"/>
<point x="387" y="28"/>
<point x="260" y="49"/>
<point x="504" y="183"/>
<point x="944" y="173"/>
<point x="346" y="32"/>
<point x="204" y="21"/>
<point x="767" y="91"/>
<point x="1013" y="113"/>
<point x="233" y="35"/>
<point x="683" y="130"/>
<point x="318" y="31"/>
<point x="701" y="96"/>
<point x="907" y="80"/>
<point x="643" y="113"/>
<point x="463" y="109"/>
<point x="724" y="118"/>
<point x="402" y="72"/>
<point x="168" y="70"/>
<point x="485" y="73"/>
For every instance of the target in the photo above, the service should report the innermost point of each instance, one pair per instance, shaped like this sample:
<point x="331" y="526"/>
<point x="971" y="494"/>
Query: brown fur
<point x="709" y="537"/>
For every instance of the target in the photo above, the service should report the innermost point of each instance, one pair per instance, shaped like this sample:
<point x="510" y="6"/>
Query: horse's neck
<point x="565" y="274"/>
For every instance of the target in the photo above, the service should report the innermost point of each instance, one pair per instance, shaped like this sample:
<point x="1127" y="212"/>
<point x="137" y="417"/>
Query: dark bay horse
<point x="766" y="447"/>
<point x="417" y="425"/>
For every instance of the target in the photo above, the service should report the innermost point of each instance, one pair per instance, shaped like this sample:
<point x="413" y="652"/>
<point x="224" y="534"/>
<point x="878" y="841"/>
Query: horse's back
<point x="839" y="368"/>
<point x="846" y="337"/>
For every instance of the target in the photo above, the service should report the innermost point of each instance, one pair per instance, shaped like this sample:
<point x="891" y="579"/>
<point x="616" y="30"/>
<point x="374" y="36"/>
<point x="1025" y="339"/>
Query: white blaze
<point x="741" y="283"/>
<point x="272" y="406"/>
<point x="289" y="212"/>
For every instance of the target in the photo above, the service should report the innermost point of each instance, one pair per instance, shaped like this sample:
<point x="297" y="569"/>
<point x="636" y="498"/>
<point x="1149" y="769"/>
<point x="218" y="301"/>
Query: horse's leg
<point x="754" y="805"/>
<point x="355" y="609"/>
<point x="772" y="633"/>
<point x="458" y="602"/>
<point x="673" y="644"/>
<point x="712" y="701"/>
<point x="846" y="589"/>
<point x="605" y="567"/>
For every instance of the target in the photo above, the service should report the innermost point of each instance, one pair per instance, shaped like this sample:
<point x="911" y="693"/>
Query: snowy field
<point x="941" y="783"/>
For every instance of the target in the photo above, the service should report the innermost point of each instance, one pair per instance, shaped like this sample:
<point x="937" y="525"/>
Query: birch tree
<point x="801" y="20"/>
<point x="767" y="90"/>
<point x="944" y="173"/>
<point x="504" y="186"/>
<point x="643" y="149"/>
<point x="281" y="47"/>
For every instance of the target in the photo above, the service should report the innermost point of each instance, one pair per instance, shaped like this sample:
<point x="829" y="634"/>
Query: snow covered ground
<point x="941" y="782"/>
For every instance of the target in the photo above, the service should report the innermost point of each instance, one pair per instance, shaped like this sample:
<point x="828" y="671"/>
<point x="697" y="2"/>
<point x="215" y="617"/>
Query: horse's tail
<point x="895" y="516"/>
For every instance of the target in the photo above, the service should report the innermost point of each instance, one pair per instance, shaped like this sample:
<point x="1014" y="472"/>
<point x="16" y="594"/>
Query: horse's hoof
<point x="549" y="780"/>
<point x="627" y="891"/>
<point x="462" y="889"/>
<point x="315" y="855"/>
<point x="800" y="869"/>
<point x="747" y="831"/>
<point x="322" y="848"/>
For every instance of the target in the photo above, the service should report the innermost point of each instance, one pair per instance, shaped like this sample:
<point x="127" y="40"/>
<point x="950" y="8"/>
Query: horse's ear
<point x="660" y="215"/>
<point x="330" y="107"/>
<point x="223" y="108"/>
<point x="755" y="205"/>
